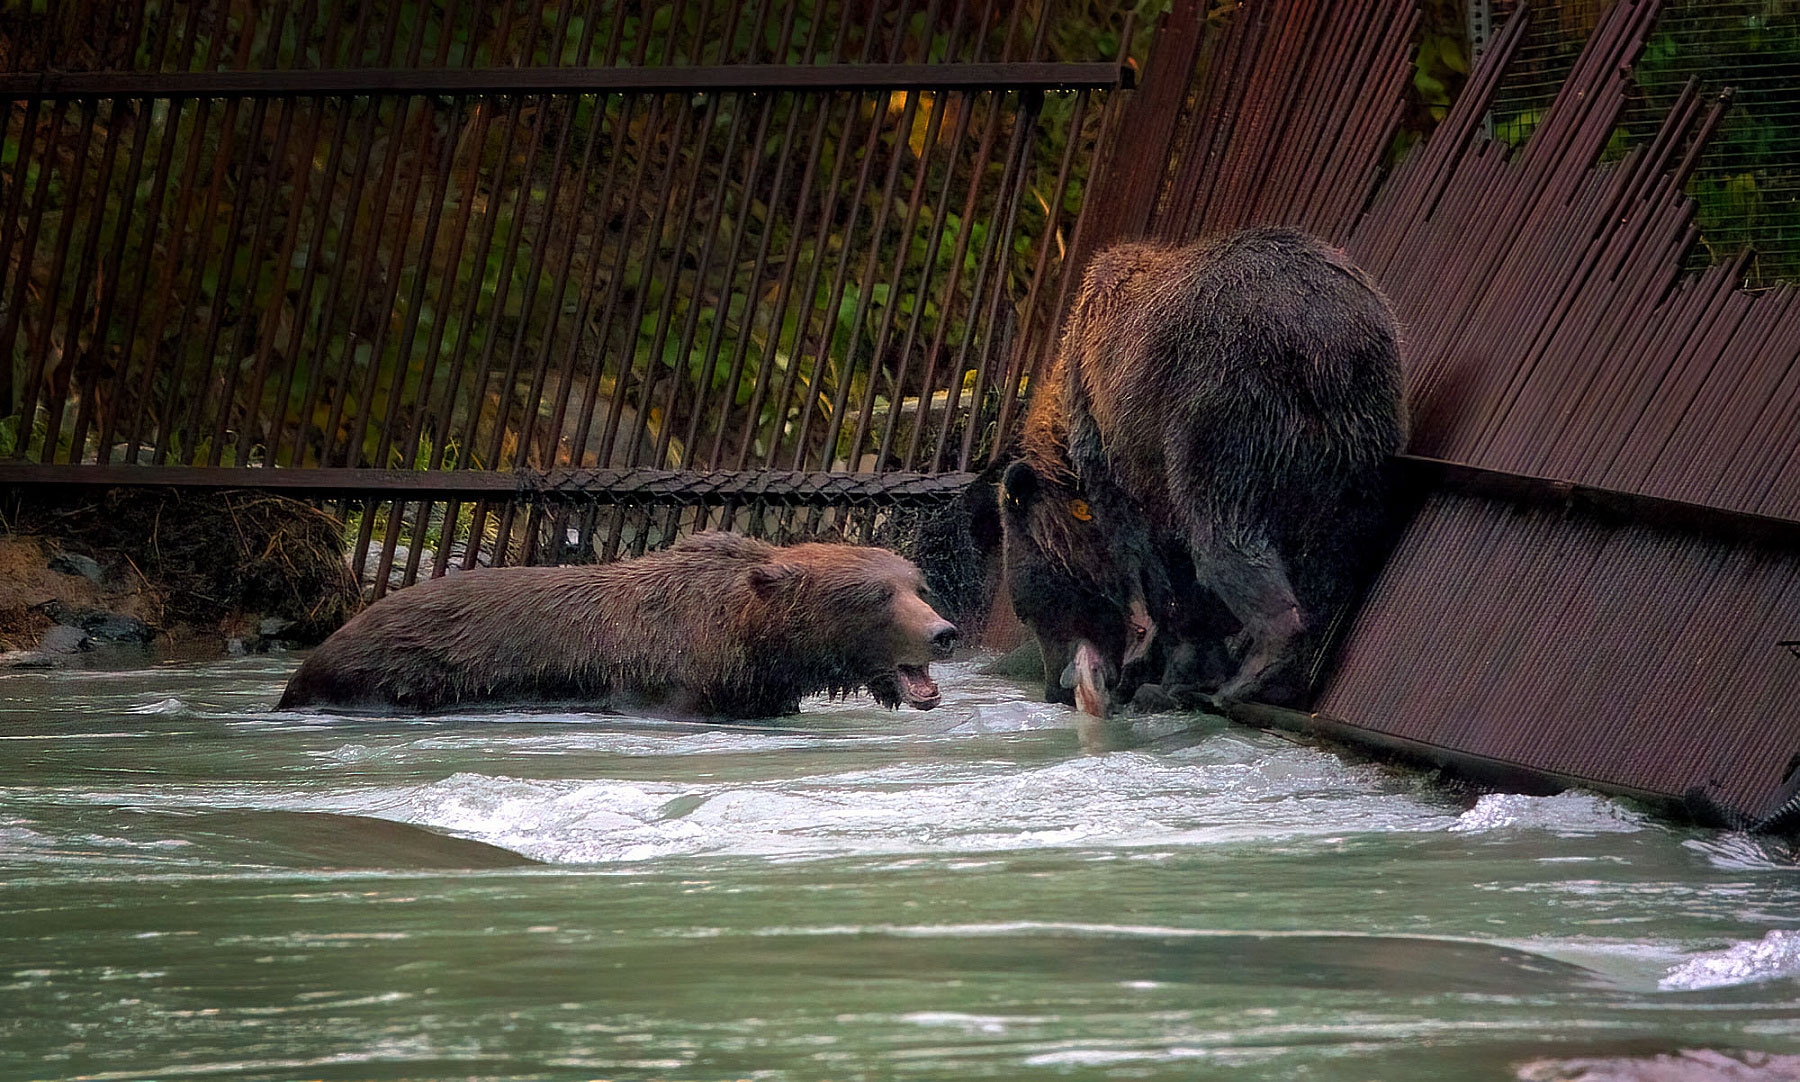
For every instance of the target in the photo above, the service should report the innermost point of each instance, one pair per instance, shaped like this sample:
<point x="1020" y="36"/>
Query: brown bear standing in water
<point x="1207" y="454"/>
<point x="716" y="626"/>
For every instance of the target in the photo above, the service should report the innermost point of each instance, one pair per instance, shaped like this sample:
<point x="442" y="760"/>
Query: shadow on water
<point x="322" y="840"/>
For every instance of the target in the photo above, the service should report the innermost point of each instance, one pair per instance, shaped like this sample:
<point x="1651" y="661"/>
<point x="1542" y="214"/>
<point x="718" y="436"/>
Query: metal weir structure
<point x="522" y="280"/>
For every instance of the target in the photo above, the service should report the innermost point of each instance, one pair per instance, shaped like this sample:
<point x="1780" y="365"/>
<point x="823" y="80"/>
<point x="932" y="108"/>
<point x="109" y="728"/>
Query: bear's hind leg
<point x="1252" y="580"/>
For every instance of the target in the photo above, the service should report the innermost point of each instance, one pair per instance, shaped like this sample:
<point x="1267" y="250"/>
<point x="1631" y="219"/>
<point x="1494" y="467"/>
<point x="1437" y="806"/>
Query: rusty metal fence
<point x="458" y="262"/>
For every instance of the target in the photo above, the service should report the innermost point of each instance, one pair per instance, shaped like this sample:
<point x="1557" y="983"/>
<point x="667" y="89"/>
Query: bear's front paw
<point x="1154" y="699"/>
<point x="1195" y="697"/>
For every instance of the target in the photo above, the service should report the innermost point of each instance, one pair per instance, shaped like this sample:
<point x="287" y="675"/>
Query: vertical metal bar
<point x="365" y="417"/>
<point x="540" y="249"/>
<point x="316" y="369"/>
<point x="896" y="279"/>
<point x="540" y="370"/>
<point x="447" y="408"/>
<point x="354" y="434"/>
<point x="15" y="191"/>
<point x="284" y="385"/>
<point x="559" y="412"/>
<point x="659" y="455"/>
<point x="503" y="284"/>
<point x="270" y="426"/>
<point x="615" y="281"/>
<point x="253" y="402"/>
<point x="153" y="213"/>
<point x="679" y="376"/>
<point x="966" y="110"/>
<point x="87" y="362"/>
<point x="840" y="401"/>
<point x="751" y="172"/>
<point x="39" y="349"/>
<point x="865" y="294"/>
<point x="808" y="303"/>
<point x="1028" y="348"/>
<point x="678" y="251"/>
<point x="415" y="306"/>
<point x="109" y="292"/>
<point x="965" y="228"/>
<point x="748" y="323"/>
<point x="166" y="432"/>
<point x="995" y="255"/>
<point x="783" y="292"/>
<point x="75" y="363"/>
<point x="785" y="280"/>
<point x="828" y="331"/>
<point x="1001" y="253"/>
<point x="26" y="260"/>
<point x="777" y="186"/>
<point x="228" y="253"/>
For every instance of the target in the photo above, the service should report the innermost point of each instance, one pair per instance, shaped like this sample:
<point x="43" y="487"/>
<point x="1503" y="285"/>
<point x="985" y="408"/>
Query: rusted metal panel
<point x="1617" y="655"/>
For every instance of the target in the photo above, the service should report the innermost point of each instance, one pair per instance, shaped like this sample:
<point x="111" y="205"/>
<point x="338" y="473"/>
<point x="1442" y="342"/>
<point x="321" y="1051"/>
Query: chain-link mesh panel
<point x="1748" y="184"/>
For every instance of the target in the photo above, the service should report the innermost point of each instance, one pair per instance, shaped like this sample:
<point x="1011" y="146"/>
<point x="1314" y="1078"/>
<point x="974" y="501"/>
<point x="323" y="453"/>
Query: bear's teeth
<point x="917" y="686"/>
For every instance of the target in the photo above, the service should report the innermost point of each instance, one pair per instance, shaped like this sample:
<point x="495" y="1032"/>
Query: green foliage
<point x="1747" y="186"/>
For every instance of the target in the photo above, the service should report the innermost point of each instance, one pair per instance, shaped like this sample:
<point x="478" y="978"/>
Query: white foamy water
<point x="1566" y="814"/>
<point x="193" y="884"/>
<point x="1122" y="799"/>
<point x="1773" y="957"/>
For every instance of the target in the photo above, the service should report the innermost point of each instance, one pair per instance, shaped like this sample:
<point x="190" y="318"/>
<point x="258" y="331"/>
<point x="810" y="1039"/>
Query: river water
<point x="193" y="885"/>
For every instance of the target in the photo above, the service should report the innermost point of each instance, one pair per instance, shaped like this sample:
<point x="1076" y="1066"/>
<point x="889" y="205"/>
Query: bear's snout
<point x="943" y="639"/>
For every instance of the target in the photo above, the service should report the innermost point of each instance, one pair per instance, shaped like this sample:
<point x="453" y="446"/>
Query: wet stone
<point x="64" y="639"/>
<point x="73" y="563"/>
<point x="111" y="626"/>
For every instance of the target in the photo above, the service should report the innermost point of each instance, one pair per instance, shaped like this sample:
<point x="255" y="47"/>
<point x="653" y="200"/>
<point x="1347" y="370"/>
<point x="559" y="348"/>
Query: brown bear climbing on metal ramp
<point x="1206" y="457"/>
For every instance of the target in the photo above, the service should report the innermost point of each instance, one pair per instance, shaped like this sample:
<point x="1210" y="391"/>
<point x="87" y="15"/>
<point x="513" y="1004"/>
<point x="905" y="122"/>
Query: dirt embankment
<point x="195" y="572"/>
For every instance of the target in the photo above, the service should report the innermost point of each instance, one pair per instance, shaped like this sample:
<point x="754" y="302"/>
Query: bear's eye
<point x="1080" y="511"/>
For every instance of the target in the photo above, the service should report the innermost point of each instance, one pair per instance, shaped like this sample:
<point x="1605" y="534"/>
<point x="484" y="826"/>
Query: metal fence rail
<point x="526" y="235"/>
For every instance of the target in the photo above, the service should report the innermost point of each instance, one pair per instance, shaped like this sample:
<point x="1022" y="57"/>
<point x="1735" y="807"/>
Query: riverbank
<point x="194" y="574"/>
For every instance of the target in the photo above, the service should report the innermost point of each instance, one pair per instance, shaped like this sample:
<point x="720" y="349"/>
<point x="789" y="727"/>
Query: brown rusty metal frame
<point x="799" y="487"/>
<point x="468" y="160"/>
<point x="175" y="86"/>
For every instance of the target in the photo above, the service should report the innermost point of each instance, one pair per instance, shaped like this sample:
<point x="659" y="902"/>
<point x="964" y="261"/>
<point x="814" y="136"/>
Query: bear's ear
<point x="768" y="579"/>
<point x="1018" y="488"/>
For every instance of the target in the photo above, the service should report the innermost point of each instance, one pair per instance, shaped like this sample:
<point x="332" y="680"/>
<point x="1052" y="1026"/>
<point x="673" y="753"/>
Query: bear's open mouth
<point x="917" y="687"/>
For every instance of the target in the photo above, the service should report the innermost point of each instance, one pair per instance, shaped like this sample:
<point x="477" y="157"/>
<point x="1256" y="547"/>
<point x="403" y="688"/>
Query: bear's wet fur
<point x="1221" y="415"/>
<point x="716" y="626"/>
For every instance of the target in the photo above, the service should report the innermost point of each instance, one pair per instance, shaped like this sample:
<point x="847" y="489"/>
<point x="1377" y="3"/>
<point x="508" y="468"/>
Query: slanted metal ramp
<point x="1527" y="640"/>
